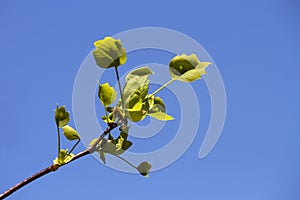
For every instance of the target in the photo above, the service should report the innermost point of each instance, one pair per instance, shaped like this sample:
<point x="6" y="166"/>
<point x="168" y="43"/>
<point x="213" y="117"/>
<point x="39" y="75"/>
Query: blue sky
<point x="256" y="47"/>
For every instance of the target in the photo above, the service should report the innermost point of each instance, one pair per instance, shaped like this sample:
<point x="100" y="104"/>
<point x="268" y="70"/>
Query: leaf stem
<point x="74" y="146"/>
<point x="162" y="87"/>
<point x="129" y="163"/>
<point x="58" y="141"/>
<point x="119" y="84"/>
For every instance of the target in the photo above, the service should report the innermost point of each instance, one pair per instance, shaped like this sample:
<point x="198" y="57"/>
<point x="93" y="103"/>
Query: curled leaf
<point x="187" y="68"/>
<point x="135" y="115"/>
<point x="116" y="146"/>
<point x="139" y="72"/>
<point x="109" y="52"/>
<point x="144" y="168"/>
<point x="158" y="110"/>
<point x="106" y="94"/>
<point x="158" y="106"/>
<point x="70" y="133"/>
<point x="136" y="87"/>
<point x="62" y="117"/>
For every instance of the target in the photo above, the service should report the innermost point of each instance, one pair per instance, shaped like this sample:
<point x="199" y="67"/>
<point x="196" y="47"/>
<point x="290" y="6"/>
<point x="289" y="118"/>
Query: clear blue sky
<point x="256" y="46"/>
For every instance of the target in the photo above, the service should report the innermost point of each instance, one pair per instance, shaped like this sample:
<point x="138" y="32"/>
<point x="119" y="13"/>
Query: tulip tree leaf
<point x="102" y="156"/>
<point x="144" y="168"/>
<point x="148" y="102"/>
<point x="109" y="52"/>
<point x="161" y="116"/>
<point x="116" y="146"/>
<point x="139" y="72"/>
<point x="106" y="94"/>
<point x="187" y="68"/>
<point x="158" y="106"/>
<point x="136" y="86"/>
<point x="135" y="115"/>
<point x="70" y="133"/>
<point x="63" y="158"/>
<point x="62" y="117"/>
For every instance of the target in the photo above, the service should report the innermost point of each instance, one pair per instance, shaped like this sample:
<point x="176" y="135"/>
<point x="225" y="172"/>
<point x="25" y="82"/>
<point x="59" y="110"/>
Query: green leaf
<point x="106" y="94"/>
<point x="62" y="117"/>
<point x="63" y="157"/>
<point x="114" y="149"/>
<point x="159" y="101"/>
<point x="187" y="68"/>
<point x="144" y="168"/>
<point x="135" y="115"/>
<point x="148" y="102"/>
<point x="158" y="106"/>
<point x="109" y="52"/>
<point x="139" y="72"/>
<point x="161" y="116"/>
<point x="137" y="100"/>
<point x="70" y="133"/>
<point x="102" y="156"/>
<point x="136" y="86"/>
<point x="116" y="146"/>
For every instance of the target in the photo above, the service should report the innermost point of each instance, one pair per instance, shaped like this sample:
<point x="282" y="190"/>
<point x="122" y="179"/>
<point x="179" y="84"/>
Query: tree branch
<point x="54" y="167"/>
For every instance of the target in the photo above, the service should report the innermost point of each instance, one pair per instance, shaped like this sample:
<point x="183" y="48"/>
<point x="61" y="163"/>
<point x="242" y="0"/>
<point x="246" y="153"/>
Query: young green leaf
<point x="102" y="156"/>
<point x="148" y="102"/>
<point x="114" y="149"/>
<point x="106" y="94"/>
<point x="139" y="72"/>
<point x="116" y="146"/>
<point x="187" y="68"/>
<point x="109" y="52"/>
<point x="158" y="106"/>
<point x="161" y="116"/>
<point x="135" y="115"/>
<point x="144" y="168"/>
<point x="63" y="157"/>
<point x="70" y="133"/>
<point x="137" y="84"/>
<point x="62" y="117"/>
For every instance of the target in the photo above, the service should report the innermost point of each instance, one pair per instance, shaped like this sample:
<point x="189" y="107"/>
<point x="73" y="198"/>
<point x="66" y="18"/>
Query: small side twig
<point x="54" y="167"/>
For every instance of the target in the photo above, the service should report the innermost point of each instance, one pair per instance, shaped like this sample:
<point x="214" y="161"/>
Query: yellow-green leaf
<point x="102" y="156"/>
<point x="63" y="157"/>
<point x="144" y="168"/>
<point x="70" y="133"/>
<point x="109" y="52"/>
<point x="114" y="149"/>
<point x="187" y="68"/>
<point x="139" y="72"/>
<point x="158" y="106"/>
<point x="136" y="87"/>
<point x="135" y="115"/>
<point x="106" y="94"/>
<point x="161" y="116"/>
<point x="62" y="117"/>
